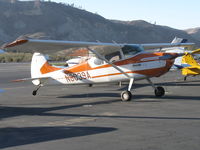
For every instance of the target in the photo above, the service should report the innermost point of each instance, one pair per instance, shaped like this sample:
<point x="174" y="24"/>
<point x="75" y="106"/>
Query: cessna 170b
<point x="117" y="62"/>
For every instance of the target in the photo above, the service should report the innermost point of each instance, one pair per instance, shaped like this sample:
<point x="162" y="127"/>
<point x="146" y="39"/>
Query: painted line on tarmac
<point x="79" y="120"/>
<point x="71" y="121"/>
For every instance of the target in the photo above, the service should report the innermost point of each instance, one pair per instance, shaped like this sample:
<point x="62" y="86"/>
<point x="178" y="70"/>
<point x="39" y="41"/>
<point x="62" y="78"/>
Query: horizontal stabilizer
<point x="35" y="81"/>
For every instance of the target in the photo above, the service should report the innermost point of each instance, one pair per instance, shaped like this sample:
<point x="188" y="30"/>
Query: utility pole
<point x="37" y="4"/>
<point x="13" y="1"/>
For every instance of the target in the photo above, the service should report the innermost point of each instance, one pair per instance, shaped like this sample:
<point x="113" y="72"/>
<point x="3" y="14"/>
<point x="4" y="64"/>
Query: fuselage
<point x="140" y="66"/>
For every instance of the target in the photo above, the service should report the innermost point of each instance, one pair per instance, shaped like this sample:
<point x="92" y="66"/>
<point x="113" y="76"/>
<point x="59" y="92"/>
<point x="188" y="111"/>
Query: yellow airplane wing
<point x="193" y="70"/>
<point x="197" y="51"/>
<point x="189" y="59"/>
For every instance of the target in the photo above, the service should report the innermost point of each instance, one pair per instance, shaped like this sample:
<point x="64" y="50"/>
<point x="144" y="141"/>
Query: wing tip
<point x="14" y="43"/>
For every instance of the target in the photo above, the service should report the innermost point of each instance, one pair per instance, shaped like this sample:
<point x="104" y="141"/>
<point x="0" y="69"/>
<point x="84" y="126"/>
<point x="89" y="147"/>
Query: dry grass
<point x="26" y="57"/>
<point x="15" y="57"/>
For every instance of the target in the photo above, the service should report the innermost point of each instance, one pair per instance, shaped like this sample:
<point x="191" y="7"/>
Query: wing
<point x="166" y="45"/>
<point x="34" y="45"/>
<point x="197" y="51"/>
<point x="194" y="68"/>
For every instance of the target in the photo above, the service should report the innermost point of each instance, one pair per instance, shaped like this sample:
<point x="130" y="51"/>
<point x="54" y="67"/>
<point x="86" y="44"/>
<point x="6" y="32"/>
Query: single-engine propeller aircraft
<point x="110" y="62"/>
<point x="189" y="66"/>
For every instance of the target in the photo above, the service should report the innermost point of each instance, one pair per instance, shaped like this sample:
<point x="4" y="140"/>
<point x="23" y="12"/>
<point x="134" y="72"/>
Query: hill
<point x="194" y="32"/>
<point x="64" y="22"/>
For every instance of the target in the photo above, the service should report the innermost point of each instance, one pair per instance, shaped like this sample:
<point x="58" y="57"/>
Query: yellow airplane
<point x="189" y="66"/>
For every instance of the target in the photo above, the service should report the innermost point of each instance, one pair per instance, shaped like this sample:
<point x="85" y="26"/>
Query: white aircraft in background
<point x="110" y="62"/>
<point x="178" y="61"/>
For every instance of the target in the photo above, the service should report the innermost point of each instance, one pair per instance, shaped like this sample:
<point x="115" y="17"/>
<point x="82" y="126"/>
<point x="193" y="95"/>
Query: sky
<point x="179" y="14"/>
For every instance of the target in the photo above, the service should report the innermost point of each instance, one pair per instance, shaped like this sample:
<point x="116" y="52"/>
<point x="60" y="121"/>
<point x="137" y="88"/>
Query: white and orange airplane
<point x="117" y="62"/>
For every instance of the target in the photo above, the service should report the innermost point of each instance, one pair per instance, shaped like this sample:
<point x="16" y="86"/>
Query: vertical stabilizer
<point x="179" y="40"/>
<point x="38" y="60"/>
<point x="40" y="66"/>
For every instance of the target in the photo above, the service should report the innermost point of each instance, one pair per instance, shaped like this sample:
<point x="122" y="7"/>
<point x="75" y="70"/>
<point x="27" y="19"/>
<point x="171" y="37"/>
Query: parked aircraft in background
<point x="187" y="62"/>
<point x="189" y="66"/>
<point x="179" y="50"/>
<point x="110" y="62"/>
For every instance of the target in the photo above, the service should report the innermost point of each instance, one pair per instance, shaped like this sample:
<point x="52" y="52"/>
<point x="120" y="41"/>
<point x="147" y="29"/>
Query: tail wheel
<point x="159" y="91"/>
<point x="126" y="96"/>
<point x="34" y="93"/>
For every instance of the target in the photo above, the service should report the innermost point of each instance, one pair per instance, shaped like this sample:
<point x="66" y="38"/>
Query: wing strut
<point x="114" y="66"/>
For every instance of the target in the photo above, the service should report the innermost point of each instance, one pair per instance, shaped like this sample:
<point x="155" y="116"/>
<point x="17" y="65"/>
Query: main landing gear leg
<point x="35" y="91"/>
<point x="126" y="95"/>
<point x="185" y="78"/>
<point x="158" y="90"/>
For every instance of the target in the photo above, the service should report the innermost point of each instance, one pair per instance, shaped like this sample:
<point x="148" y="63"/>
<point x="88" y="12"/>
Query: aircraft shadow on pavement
<point x="28" y="135"/>
<point x="167" y="97"/>
<point x="7" y="111"/>
<point x="174" y="83"/>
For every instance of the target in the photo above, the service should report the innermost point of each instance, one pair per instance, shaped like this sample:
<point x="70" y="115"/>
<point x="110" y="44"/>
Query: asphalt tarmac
<point x="88" y="118"/>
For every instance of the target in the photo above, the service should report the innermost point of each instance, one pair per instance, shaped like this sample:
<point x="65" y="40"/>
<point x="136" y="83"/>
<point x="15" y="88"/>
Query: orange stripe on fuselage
<point x="137" y="59"/>
<point x="46" y="68"/>
<point x="156" y="72"/>
<point x="78" y="68"/>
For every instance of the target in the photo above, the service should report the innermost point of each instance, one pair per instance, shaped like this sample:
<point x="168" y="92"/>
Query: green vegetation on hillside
<point x="15" y="57"/>
<point x="26" y="57"/>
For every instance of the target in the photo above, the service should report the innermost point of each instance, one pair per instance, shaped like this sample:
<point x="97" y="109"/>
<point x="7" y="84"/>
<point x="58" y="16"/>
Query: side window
<point x="112" y="57"/>
<point x="130" y="50"/>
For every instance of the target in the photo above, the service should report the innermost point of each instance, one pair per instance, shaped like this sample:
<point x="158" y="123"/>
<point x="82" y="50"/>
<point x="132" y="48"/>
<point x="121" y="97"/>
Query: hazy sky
<point x="180" y="14"/>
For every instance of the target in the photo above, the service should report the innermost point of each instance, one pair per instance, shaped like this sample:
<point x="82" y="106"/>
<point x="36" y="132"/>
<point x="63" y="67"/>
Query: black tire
<point x="90" y="85"/>
<point x="34" y="93"/>
<point x="126" y="96"/>
<point x="159" y="91"/>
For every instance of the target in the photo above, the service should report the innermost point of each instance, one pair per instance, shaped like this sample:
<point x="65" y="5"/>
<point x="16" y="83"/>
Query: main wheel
<point x="159" y="91"/>
<point x="90" y="85"/>
<point x="126" y="96"/>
